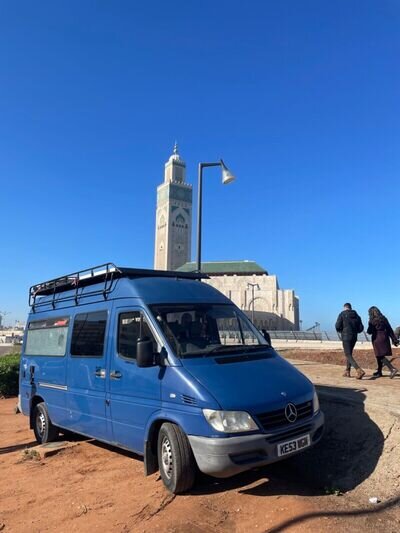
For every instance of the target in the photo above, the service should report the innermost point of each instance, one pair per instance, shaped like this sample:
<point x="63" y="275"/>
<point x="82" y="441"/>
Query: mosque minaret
<point x="273" y="308"/>
<point x="173" y="216"/>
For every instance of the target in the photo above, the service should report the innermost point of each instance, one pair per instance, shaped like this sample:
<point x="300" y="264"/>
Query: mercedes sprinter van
<point x="164" y="365"/>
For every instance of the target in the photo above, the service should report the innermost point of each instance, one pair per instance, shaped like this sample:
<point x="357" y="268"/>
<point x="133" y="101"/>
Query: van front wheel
<point x="44" y="430"/>
<point x="175" y="459"/>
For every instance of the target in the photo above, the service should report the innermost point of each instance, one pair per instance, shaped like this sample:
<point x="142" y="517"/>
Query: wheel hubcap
<point x="166" y="457"/>
<point x="41" y="424"/>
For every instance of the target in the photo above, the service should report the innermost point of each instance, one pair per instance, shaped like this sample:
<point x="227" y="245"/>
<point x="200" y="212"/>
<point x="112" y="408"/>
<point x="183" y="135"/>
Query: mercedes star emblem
<point x="291" y="412"/>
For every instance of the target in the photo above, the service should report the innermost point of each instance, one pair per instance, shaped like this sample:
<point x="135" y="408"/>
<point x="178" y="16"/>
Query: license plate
<point x="290" y="446"/>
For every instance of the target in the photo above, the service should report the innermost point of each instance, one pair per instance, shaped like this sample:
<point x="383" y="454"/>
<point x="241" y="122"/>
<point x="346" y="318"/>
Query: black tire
<point x="175" y="459"/>
<point x="44" y="430"/>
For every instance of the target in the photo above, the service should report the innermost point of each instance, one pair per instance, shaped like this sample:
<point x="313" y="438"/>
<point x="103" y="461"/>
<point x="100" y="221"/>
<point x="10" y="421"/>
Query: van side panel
<point x="86" y="381"/>
<point x="44" y="376"/>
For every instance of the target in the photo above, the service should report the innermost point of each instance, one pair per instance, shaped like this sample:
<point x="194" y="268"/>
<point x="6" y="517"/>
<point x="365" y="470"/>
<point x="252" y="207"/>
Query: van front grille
<point x="286" y="435"/>
<point x="277" y="419"/>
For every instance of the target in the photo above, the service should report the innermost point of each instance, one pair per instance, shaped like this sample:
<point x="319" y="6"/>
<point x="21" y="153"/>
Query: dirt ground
<point x="364" y="356"/>
<point x="92" y="486"/>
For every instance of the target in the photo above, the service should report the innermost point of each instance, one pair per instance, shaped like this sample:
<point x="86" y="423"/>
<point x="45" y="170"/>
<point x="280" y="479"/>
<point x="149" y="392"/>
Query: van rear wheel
<point x="44" y="430"/>
<point x="175" y="459"/>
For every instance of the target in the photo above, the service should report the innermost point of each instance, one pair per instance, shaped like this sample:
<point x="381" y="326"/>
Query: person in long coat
<point x="382" y="333"/>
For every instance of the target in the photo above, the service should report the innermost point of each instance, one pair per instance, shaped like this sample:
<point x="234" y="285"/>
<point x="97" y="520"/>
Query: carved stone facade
<point x="173" y="216"/>
<point x="274" y="308"/>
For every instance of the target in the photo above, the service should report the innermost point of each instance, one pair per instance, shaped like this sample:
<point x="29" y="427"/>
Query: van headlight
<point x="230" y="421"/>
<point x="315" y="402"/>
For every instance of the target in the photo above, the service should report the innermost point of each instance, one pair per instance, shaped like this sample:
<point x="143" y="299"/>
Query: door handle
<point x="115" y="374"/>
<point x="100" y="373"/>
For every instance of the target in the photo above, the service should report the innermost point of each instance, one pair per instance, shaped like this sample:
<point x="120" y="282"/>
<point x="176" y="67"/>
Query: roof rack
<point x="106" y="274"/>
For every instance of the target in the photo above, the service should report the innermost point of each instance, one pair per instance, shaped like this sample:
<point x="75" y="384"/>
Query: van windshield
<point x="204" y="329"/>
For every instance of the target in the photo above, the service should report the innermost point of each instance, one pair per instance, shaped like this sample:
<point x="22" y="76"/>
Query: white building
<point x="246" y="283"/>
<point x="273" y="308"/>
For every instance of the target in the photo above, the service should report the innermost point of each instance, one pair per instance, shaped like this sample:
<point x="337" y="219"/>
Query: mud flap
<point x="150" y="460"/>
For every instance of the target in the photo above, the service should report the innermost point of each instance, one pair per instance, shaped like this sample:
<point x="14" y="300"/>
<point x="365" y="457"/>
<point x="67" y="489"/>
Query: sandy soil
<point x="364" y="357"/>
<point x="96" y="487"/>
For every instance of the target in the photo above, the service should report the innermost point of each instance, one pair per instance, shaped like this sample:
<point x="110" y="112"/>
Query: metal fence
<point x="313" y="336"/>
<point x="234" y="337"/>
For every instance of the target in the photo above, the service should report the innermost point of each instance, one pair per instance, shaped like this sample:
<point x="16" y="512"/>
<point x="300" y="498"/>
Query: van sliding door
<point x="87" y="372"/>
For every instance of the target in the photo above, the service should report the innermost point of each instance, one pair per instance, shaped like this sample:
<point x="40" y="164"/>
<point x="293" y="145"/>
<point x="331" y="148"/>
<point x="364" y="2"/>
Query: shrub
<point x="9" y="373"/>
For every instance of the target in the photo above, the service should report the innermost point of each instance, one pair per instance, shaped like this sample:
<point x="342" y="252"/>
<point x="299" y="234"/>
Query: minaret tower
<point x="173" y="216"/>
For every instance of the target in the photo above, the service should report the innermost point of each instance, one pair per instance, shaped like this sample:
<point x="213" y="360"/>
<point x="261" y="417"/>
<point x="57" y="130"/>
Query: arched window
<point x="161" y="222"/>
<point x="180" y="221"/>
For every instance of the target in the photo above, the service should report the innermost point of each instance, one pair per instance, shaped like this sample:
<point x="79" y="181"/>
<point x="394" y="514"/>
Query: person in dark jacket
<point x="349" y="325"/>
<point x="381" y="334"/>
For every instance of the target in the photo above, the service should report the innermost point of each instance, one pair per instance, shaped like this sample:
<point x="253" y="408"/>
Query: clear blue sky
<point x="300" y="98"/>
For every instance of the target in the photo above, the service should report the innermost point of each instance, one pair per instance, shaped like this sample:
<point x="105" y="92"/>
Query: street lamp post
<point x="227" y="177"/>
<point x="253" y="286"/>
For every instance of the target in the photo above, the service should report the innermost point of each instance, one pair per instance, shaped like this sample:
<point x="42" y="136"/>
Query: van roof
<point x="103" y="280"/>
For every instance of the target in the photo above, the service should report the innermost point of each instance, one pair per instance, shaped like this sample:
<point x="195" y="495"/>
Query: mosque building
<point x="246" y="283"/>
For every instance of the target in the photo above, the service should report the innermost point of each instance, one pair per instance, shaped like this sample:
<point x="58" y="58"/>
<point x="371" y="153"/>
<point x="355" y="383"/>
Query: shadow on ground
<point x="353" y="513"/>
<point x="17" y="447"/>
<point x="342" y="460"/>
<point x="346" y="456"/>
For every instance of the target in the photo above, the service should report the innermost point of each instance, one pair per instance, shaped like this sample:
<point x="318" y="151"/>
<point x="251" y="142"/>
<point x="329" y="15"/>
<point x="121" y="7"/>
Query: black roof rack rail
<point x="106" y="273"/>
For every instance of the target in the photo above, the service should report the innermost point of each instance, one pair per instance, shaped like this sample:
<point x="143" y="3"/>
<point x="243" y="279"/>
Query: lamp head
<point x="227" y="176"/>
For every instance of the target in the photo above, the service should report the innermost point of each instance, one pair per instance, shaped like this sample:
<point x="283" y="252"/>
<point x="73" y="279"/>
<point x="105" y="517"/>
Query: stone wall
<point x="274" y="308"/>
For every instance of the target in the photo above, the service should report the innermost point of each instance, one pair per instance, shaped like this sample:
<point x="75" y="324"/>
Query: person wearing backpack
<point x="381" y="334"/>
<point x="349" y="325"/>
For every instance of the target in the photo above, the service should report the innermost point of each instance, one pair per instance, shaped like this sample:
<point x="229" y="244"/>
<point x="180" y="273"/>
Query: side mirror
<point x="145" y="356"/>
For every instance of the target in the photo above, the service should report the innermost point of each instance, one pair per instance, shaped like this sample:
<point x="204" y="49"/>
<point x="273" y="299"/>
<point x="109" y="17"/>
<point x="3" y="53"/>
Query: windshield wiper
<point x="205" y="353"/>
<point x="240" y="347"/>
<point x="223" y="347"/>
<point x="244" y="348"/>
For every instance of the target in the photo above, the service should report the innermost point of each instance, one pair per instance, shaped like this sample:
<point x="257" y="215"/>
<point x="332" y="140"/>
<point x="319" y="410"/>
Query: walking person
<point x="349" y="325"/>
<point x="381" y="334"/>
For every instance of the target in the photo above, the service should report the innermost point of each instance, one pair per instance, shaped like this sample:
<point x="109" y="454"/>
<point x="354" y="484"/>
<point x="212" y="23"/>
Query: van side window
<point x="47" y="337"/>
<point x="131" y="327"/>
<point x="88" y="334"/>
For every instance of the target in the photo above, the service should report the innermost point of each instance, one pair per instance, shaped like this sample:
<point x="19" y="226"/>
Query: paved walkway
<point x="318" y="345"/>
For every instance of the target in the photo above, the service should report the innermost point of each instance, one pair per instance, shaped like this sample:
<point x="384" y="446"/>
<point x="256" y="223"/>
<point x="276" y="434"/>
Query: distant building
<point x="173" y="216"/>
<point x="274" y="308"/>
<point x="11" y="335"/>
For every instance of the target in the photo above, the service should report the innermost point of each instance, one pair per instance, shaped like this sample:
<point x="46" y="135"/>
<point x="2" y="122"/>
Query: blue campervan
<point x="162" y="364"/>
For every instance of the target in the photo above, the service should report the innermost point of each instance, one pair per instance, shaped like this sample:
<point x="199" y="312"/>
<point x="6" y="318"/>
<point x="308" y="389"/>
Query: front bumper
<point x="225" y="457"/>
